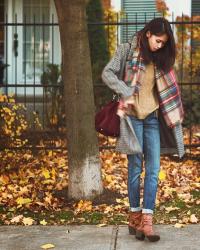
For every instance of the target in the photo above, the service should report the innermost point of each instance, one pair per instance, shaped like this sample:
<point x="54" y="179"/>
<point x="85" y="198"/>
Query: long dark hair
<point x="163" y="58"/>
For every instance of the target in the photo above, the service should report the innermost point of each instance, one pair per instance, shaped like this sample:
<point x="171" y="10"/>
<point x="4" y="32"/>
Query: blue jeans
<point x="148" y="134"/>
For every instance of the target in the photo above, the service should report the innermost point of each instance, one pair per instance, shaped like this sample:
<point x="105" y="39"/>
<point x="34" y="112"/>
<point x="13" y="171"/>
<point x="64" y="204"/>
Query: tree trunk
<point x="83" y="153"/>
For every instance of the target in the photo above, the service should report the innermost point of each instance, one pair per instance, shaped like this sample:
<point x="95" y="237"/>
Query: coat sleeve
<point x="111" y="72"/>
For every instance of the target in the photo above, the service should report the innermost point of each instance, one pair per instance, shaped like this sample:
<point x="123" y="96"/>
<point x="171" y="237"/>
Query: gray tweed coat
<point x="171" y="138"/>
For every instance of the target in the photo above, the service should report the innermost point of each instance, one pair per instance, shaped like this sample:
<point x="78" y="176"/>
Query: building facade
<point x="138" y="13"/>
<point x="25" y="45"/>
<point x="29" y="40"/>
<point x="195" y="7"/>
<point x="195" y="12"/>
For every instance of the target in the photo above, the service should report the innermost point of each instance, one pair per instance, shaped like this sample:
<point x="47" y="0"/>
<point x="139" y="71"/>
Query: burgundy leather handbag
<point x="107" y="122"/>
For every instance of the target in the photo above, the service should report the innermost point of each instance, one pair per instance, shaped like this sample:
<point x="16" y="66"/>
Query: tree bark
<point x="83" y="153"/>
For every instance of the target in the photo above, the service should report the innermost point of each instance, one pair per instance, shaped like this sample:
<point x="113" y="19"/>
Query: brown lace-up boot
<point x="145" y="229"/>
<point x="134" y="221"/>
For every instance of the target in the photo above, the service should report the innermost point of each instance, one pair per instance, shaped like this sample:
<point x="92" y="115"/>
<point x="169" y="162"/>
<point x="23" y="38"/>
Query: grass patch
<point x="96" y="217"/>
<point x="195" y="193"/>
<point x="92" y="218"/>
<point x="118" y="219"/>
<point x="185" y="210"/>
<point x="64" y="215"/>
<point x="179" y="203"/>
<point x="2" y="209"/>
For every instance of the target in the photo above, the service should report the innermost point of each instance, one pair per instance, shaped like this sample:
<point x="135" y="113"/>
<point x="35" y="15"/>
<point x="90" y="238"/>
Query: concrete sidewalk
<point x="91" y="237"/>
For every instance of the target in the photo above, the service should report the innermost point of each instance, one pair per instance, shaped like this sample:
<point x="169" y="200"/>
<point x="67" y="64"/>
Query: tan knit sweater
<point x="147" y="100"/>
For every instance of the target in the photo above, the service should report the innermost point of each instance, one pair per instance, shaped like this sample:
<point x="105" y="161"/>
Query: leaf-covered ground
<point x="34" y="190"/>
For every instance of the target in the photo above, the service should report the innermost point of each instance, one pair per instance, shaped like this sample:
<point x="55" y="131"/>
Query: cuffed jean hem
<point x="147" y="211"/>
<point x="135" y="209"/>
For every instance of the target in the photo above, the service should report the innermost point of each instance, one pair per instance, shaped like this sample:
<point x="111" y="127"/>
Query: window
<point x="36" y="38"/>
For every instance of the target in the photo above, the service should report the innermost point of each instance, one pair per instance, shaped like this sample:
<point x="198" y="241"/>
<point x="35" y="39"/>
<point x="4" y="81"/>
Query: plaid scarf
<point x="167" y="87"/>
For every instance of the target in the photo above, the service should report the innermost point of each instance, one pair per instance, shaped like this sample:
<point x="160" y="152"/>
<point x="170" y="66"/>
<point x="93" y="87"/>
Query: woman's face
<point x="156" y="42"/>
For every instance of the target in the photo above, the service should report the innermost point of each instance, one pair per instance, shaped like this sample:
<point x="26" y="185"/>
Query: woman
<point x="150" y="99"/>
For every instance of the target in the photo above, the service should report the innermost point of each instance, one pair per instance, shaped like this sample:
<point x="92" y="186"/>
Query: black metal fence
<point x="29" y="70"/>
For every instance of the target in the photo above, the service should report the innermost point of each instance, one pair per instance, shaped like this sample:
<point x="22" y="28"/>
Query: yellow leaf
<point x="109" y="178"/>
<point x="101" y="225"/>
<point x="125" y="222"/>
<point x="119" y="200"/>
<point x="193" y="218"/>
<point x="6" y="110"/>
<point x="28" y="221"/>
<point x="108" y="209"/>
<point x="4" y="179"/>
<point x="169" y="209"/>
<point x="53" y="172"/>
<point x="1" y="98"/>
<point x="85" y="205"/>
<point x="11" y="100"/>
<point x="47" y="246"/>
<point x="43" y="222"/>
<point x="185" y="220"/>
<point x="46" y="173"/>
<point x="179" y="225"/>
<point x="81" y="219"/>
<point x="162" y="175"/>
<point x="27" y="156"/>
<point x="50" y="153"/>
<point x="17" y="218"/>
<point x="22" y="201"/>
<point x="48" y="181"/>
<point x="198" y="202"/>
